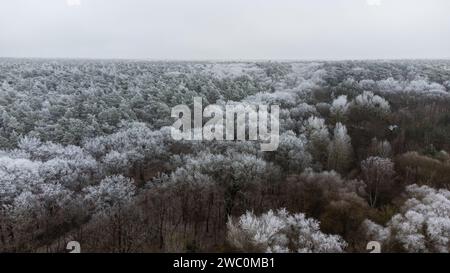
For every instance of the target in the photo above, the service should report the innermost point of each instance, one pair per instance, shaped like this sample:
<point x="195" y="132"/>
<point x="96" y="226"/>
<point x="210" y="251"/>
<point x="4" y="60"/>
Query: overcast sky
<point x="225" y="29"/>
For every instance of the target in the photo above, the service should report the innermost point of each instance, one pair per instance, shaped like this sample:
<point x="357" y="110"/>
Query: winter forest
<point x="86" y="155"/>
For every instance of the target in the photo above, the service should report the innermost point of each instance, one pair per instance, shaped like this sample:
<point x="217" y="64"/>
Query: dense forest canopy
<point x="86" y="154"/>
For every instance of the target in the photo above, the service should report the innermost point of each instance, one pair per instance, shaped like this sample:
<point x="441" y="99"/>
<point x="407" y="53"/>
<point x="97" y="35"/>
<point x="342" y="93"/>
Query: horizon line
<point x="226" y="60"/>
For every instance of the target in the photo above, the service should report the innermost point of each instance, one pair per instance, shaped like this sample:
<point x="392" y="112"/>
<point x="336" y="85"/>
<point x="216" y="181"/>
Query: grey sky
<point x="225" y="29"/>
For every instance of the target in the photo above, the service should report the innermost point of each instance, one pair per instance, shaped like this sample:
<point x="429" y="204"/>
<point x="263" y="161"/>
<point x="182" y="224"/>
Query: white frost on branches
<point x="280" y="231"/>
<point x="339" y="108"/>
<point x="112" y="192"/>
<point x="423" y="225"/>
<point x="340" y="151"/>
<point x="371" y="102"/>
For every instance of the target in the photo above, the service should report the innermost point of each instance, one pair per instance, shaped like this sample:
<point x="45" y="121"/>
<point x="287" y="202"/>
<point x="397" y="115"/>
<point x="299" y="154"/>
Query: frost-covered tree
<point x="68" y="165"/>
<point x="42" y="204"/>
<point x="280" y="231"/>
<point x="340" y="151"/>
<point x="378" y="174"/>
<point x="74" y="174"/>
<point x="116" y="163"/>
<point x="17" y="175"/>
<point x="292" y="153"/>
<point x="318" y="136"/>
<point x="423" y="224"/>
<point x="189" y="176"/>
<point x="131" y="150"/>
<point x="293" y="118"/>
<point x="371" y="104"/>
<point x="232" y="172"/>
<point x="339" y="108"/>
<point x="114" y="220"/>
<point x="422" y="86"/>
<point x="113" y="192"/>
